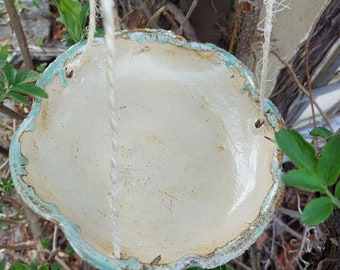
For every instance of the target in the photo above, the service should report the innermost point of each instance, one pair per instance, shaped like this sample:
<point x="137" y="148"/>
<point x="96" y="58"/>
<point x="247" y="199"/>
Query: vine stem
<point x="333" y="198"/>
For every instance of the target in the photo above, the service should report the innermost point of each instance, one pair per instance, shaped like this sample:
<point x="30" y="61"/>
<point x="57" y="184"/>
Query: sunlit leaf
<point x="73" y="15"/>
<point x="320" y="132"/>
<point x="31" y="90"/>
<point x="297" y="149"/>
<point x="303" y="179"/>
<point x="329" y="162"/>
<point x="317" y="211"/>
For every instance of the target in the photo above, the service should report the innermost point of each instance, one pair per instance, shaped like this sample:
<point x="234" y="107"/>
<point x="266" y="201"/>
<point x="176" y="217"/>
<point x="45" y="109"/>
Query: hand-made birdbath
<point x="198" y="174"/>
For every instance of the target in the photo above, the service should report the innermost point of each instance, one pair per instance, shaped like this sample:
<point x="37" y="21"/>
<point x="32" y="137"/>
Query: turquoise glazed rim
<point x="72" y="231"/>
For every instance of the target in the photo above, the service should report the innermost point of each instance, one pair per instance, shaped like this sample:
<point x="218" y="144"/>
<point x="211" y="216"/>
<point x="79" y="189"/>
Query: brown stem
<point x="187" y="16"/>
<point x="7" y="111"/>
<point x="20" y="246"/>
<point x="17" y="27"/>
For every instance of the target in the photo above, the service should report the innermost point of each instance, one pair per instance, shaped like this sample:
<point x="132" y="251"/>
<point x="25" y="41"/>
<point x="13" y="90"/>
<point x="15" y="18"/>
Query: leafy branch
<point x="313" y="174"/>
<point x="16" y="84"/>
<point x="73" y="15"/>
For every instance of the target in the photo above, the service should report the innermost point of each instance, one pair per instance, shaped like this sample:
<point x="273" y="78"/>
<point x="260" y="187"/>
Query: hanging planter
<point x="198" y="177"/>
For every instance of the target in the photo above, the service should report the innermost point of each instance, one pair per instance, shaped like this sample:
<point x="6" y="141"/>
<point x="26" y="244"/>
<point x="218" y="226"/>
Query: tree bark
<point x="17" y="27"/>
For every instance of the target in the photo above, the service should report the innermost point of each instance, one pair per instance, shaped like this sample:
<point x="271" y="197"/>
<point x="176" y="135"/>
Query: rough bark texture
<point x="324" y="36"/>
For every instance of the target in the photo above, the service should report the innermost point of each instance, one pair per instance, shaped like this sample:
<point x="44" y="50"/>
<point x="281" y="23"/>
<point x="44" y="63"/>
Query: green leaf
<point x="3" y="264"/>
<point x="2" y="78"/>
<point x="46" y="243"/>
<point x="320" y="132"/>
<point x="18" y="98"/>
<point x="10" y="73"/>
<point x="99" y="32"/>
<point x="337" y="191"/>
<point x="85" y="10"/>
<point x="2" y="90"/>
<point x="36" y="3"/>
<point x="28" y="89"/>
<point x="69" y="249"/>
<point x="19" y="266"/>
<point x="329" y="162"/>
<point x="303" y="179"/>
<point x="6" y="185"/>
<point x="73" y="15"/>
<point x="317" y="211"/>
<point x="56" y="266"/>
<point x="34" y="265"/>
<point x="3" y="60"/>
<point x="3" y="225"/>
<point x="44" y="267"/>
<point x="297" y="149"/>
<point x="26" y="76"/>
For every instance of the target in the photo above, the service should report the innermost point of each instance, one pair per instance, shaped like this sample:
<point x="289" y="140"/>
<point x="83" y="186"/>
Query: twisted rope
<point x="266" y="49"/>
<point x="108" y="19"/>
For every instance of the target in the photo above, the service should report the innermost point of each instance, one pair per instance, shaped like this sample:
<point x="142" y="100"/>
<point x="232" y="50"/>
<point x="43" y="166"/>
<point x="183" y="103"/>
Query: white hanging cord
<point x="90" y="37"/>
<point x="92" y="24"/>
<point x="109" y="27"/>
<point x="266" y="49"/>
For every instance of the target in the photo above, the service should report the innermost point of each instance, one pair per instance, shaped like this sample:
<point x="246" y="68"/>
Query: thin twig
<point x="187" y="16"/>
<point x="155" y="16"/>
<point x="20" y="246"/>
<point x="58" y="260"/>
<point x="241" y="264"/>
<point x="54" y="251"/>
<point x="16" y="25"/>
<point x="302" y="88"/>
<point x="5" y="110"/>
<point x="171" y="20"/>
<point x="62" y="263"/>
<point x="286" y="228"/>
<point x="308" y="77"/>
<point x="146" y="12"/>
<point x="54" y="243"/>
<point x="3" y="165"/>
<point x="302" y="246"/>
<point x="177" y="15"/>
<point x="213" y="6"/>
